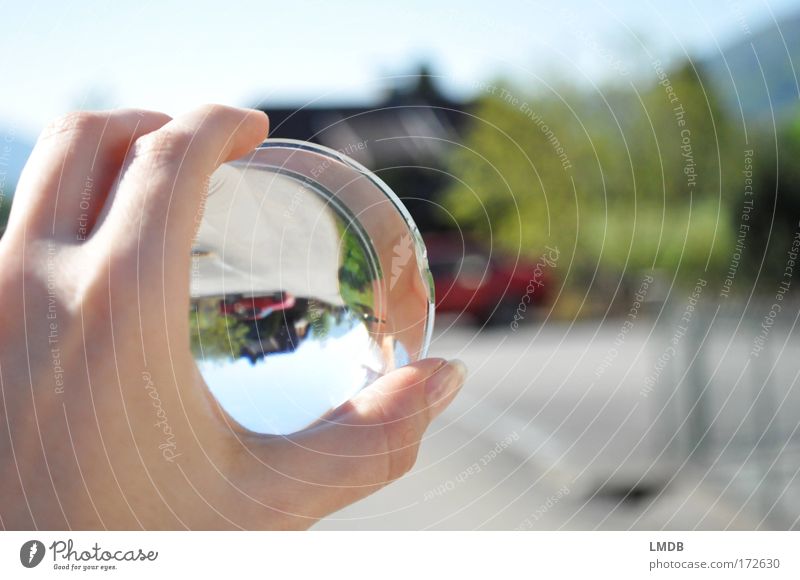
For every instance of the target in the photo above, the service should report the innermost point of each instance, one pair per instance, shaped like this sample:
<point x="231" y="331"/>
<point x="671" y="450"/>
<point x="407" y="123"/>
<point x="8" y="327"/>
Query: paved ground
<point x="540" y="438"/>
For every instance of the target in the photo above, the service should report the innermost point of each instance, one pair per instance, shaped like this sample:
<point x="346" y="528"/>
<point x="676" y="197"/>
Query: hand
<point x="105" y="421"/>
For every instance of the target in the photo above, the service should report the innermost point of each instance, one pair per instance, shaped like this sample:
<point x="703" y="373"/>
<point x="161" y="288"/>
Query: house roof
<point x="411" y="125"/>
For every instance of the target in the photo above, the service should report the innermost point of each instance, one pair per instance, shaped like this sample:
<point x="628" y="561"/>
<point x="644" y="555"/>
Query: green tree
<point x="214" y="335"/>
<point x="620" y="179"/>
<point x="355" y="271"/>
<point x="776" y="207"/>
<point x="5" y="209"/>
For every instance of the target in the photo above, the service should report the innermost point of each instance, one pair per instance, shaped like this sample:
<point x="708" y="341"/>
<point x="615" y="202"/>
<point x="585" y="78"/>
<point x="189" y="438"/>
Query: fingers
<point x="369" y="442"/>
<point x="72" y="168"/>
<point x="157" y="203"/>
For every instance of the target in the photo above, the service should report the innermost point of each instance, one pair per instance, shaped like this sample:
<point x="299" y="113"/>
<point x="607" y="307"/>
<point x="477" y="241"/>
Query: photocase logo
<point x="31" y="553"/>
<point x="401" y="255"/>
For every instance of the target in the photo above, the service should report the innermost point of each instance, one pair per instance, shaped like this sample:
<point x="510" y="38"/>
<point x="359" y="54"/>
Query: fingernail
<point x="445" y="381"/>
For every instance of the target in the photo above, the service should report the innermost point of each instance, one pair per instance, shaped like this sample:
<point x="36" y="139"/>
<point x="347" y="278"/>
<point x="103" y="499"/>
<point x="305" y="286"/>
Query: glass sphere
<point x="309" y="281"/>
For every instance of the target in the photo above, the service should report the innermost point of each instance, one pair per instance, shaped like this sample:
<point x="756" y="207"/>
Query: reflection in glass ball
<point x="309" y="281"/>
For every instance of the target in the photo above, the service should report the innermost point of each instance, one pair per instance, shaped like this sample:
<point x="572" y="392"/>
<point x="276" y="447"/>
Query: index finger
<point x="157" y="199"/>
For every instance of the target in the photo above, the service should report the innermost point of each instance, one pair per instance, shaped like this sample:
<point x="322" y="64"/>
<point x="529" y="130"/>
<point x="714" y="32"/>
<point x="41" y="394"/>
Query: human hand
<point x="105" y="421"/>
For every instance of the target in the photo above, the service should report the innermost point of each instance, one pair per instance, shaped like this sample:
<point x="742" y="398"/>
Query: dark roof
<point x="410" y="126"/>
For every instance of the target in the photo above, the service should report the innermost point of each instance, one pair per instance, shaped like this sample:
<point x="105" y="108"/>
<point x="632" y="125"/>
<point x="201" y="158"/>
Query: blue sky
<point x="170" y="55"/>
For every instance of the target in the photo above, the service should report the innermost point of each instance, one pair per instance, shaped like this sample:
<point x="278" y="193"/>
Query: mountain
<point x="761" y="71"/>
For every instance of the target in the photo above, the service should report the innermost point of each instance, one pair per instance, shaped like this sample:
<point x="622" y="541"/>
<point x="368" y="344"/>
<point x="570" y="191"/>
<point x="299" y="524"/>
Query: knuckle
<point x="74" y="125"/>
<point x="163" y="148"/>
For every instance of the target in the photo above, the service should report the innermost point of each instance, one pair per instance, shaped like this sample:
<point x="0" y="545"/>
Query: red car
<point x="256" y="307"/>
<point x="488" y="286"/>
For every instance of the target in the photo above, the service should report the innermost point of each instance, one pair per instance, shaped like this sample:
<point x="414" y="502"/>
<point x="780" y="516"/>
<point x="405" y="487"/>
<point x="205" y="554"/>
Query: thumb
<point x="371" y="440"/>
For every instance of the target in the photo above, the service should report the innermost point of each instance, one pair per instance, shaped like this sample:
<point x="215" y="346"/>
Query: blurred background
<point x="610" y="195"/>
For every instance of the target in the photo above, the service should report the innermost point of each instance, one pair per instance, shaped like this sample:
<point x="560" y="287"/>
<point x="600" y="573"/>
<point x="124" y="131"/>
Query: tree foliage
<point x="213" y="335"/>
<point x="620" y="180"/>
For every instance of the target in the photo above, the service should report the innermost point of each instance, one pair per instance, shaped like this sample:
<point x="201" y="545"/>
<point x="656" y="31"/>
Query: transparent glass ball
<point x="309" y="281"/>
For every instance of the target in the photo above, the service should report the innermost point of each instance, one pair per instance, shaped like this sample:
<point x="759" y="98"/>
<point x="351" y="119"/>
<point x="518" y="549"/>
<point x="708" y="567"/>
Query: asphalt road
<point x="556" y="430"/>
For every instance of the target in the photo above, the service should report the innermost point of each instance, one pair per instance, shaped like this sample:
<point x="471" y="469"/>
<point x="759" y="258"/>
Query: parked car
<point x="490" y="287"/>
